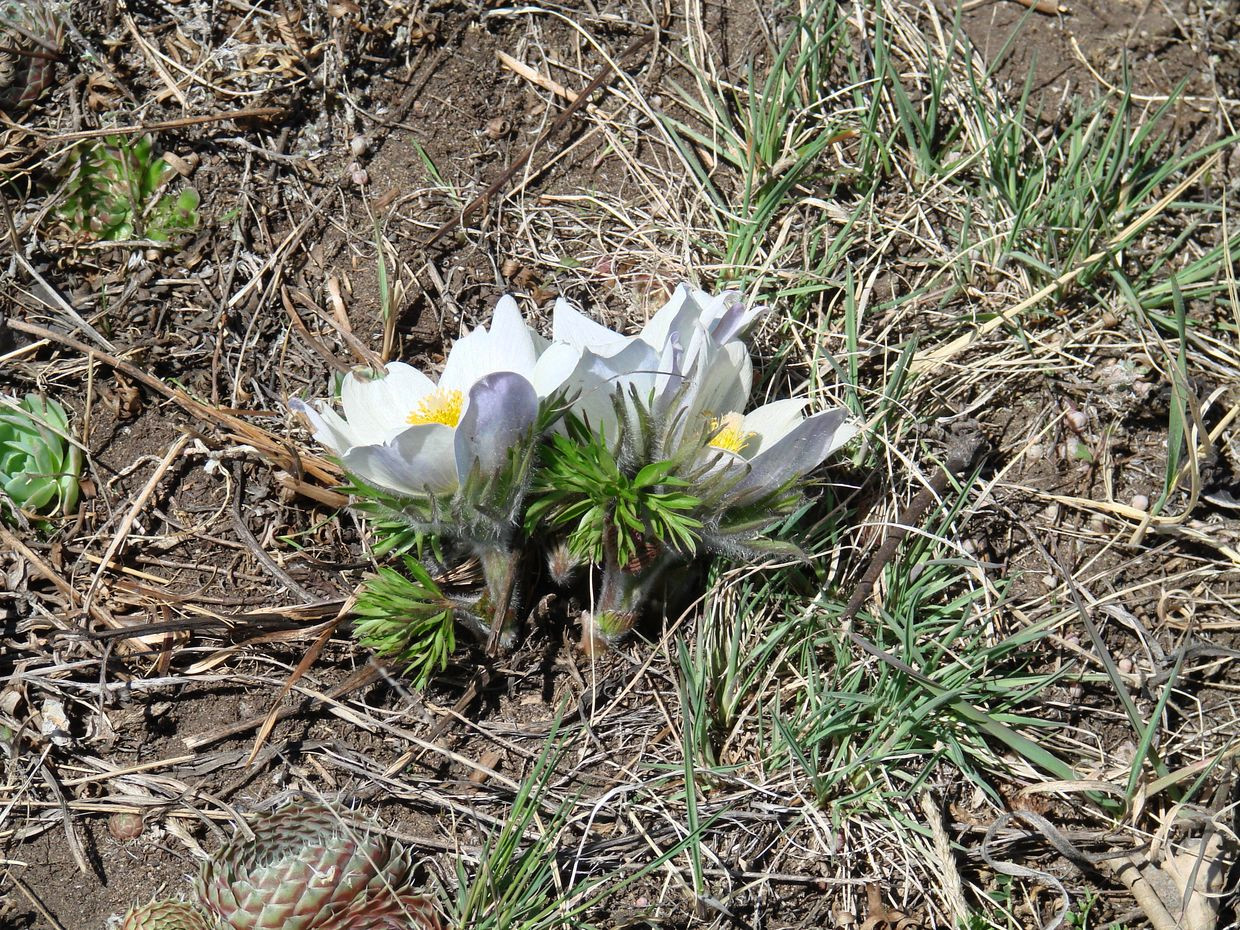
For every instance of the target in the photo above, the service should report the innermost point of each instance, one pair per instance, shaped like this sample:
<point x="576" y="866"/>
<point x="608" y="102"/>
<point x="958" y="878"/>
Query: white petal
<point x="378" y="407"/>
<point x="511" y="343"/>
<point x="667" y="320"/>
<point x="798" y="452"/>
<point x="724" y="316"/>
<point x="772" y="422"/>
<point x="570" y="325"/>
<point x="329" y="427"/>
<point x="419" y="459"/>
<point x="720" y="381"/>
<point x="670" y="376"/>
<point x="554" y="367"/>
<point x="467" y="361"/>
<point x="596" y="380"/>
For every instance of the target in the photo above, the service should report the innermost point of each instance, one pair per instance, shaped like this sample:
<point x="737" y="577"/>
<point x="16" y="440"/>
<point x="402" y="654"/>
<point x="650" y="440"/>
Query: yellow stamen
<point x="728" y="433"/>
<point x="439" y="406"/>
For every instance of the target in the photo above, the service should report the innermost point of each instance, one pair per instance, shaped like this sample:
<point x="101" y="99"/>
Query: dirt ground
<point x="340" y="135"/>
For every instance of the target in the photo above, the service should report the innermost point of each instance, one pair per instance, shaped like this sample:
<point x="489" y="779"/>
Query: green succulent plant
<point x="30" y="40"/>
<point x="114" y="192"/>
<point x="306" y="868"/>
<point x="40" y="468"/>
<point x="167" y="915"/>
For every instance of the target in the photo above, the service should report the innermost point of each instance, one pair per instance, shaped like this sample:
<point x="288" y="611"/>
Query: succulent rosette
<point x="167" y="915"/>
<point x="307" y="869"/>
<point x="407" y="434"/>
<point x="40" y="467"/>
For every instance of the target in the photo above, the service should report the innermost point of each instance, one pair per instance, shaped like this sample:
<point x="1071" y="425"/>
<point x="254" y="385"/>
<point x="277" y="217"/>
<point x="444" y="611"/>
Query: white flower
<point x="772" y="445"/>
<point x="724" y="317"/>
<point x="406" y="433"/>
<point x="688" y="348"/>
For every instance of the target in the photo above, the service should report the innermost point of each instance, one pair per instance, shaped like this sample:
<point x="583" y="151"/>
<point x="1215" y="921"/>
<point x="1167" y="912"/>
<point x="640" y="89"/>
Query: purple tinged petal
<point x="502" y="407"/>
<point x="734" y="318"/>
<point x="416" y="461"/>
<point x="772" y="422"/>
<point x="798" y="452"/>
<point x="724" y="316"/>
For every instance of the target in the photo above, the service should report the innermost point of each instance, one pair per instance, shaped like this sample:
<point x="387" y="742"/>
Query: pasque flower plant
<point x="654" y="461"/>
<point x="409" y="435"/>
<point x="683" y="420"/>
<point x="450" y="458"/>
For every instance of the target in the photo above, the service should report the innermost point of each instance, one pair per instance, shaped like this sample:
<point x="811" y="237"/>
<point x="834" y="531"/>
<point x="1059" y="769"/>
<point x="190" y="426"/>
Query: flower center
<point x="729" y="434"/>
<point x="439" y="406"/>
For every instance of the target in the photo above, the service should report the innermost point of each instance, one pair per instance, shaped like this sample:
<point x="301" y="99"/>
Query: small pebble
<point x="357" y="145"/>
<point x="1050" y="582"/>
<point x="1126" y="666"/>
<point x="1140" y="502"/>
<point x="1035" y="451"/>
<point x="1078" y="419"/>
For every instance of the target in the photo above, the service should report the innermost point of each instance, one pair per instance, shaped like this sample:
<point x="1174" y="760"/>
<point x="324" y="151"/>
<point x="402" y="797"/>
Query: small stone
<point x="497" y="128"/>
<point x="1078" y="419"/>
<point x="357" y="145"/>
<point x="1140" y="502"/>
<point x="1126" y="666"/>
